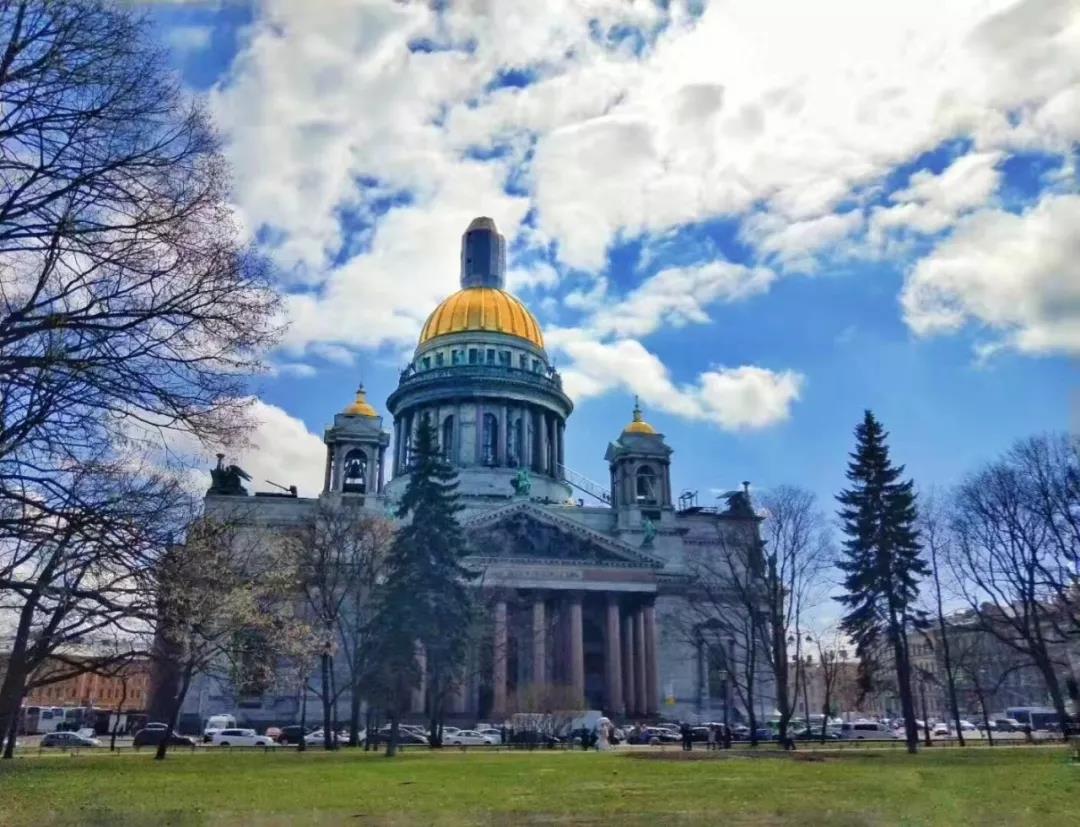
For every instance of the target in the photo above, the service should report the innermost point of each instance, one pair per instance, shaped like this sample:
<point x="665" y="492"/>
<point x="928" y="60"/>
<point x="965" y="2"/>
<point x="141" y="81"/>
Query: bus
<point x="1036" y="717"/>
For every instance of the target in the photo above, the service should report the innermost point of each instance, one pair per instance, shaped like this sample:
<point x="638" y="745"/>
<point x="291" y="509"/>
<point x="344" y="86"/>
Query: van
<point x="216" y="723"/>
<point x="866" y="731"/>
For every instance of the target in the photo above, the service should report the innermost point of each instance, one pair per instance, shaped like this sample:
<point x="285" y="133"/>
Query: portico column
<point x="539" y="641"/>
<point x="498" y="677"/>
<point x="639" y="661"/>
<point x="577" y="651"/>
<point x="652" y="691"/>
<point x="501" y="454"/>
<point x="613" y="658"/>
<point x="562" y="449"/>
<point x="329" y="464"/>
<point x="628" y="665"/>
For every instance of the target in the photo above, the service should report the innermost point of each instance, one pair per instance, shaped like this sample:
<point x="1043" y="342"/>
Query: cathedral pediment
<point x="528" y="533"/>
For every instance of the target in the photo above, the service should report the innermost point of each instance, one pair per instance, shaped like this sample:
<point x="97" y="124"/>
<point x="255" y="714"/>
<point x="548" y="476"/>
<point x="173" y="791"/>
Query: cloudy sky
<point x="762" y="217"/>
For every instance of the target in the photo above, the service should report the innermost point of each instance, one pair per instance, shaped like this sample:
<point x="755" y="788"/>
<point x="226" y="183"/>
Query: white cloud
<point x="301" y="369"/>
<point x="795" y="244"/>
<point x="744" y="397"/>
<point x="282" y="450"/>
<point x="933" y="202"/>
<point x="1019" y="275"/>
<point x="188" y="39"/>
<point x="678" y="296"/>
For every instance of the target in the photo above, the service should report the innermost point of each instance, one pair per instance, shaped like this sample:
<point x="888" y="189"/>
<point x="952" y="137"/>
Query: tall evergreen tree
<point x="881" y="562"/>
<point x="425" y="604"/>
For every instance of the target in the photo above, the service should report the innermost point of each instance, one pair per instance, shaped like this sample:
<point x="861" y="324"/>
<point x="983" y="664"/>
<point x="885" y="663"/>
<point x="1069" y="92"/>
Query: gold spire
<point x="639" y="425"/>
<point x="360" y="406"/>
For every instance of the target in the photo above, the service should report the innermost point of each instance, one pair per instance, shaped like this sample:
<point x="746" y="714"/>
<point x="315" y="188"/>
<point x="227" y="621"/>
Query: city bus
<point x="1036" y="717"/>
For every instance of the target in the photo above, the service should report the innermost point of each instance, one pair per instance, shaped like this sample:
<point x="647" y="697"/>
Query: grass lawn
<point x="946" y="786"/>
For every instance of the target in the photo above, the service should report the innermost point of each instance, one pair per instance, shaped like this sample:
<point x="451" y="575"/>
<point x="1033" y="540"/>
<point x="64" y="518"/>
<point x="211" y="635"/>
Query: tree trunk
<point x="369" y="729"/>
<point x="301" y="745"/>
<point x="986" y="717"/>
<point x="12" y="731"/>
<point x="119" y="710"/>
<point x="954" y="705"/>
<point x="1053" y="686"/>
<point x="10" y="703"/>
<point x="925" y="715"/>
<point x="354" y="717"/>
<point x="903" y="680"/>
<point x="392" y="741"/>
<point x="328" y="733"/>
<point x="174" y="714"/>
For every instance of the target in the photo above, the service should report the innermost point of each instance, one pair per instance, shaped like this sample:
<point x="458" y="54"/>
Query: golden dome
<point x="482" y="309"/>
<point x="639" y="425"/>
<point x="360" y="406"/>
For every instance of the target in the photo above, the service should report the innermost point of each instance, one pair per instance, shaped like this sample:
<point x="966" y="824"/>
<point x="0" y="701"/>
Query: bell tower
<point x="356" y="451"/>
<point x="640" y="463"/>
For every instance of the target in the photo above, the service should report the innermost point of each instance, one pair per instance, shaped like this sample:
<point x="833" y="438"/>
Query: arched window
<point x="447" y="443"/>
<point x="490" y="444"/>
<point x="646" y="485"/>
<point x="355" y="481"/>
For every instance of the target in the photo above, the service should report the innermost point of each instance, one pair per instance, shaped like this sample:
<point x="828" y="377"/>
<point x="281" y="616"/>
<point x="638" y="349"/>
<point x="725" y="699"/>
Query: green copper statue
<point x="650" y="532"/>
<point x="522" y="483"/>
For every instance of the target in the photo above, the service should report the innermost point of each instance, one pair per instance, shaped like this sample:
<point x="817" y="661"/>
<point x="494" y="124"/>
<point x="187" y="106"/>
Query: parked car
<point x="940" y="730"/>
<point x="316" y="738"/>
<point x="147" y="737"/>
<point x="469" y="738"/>
<point x="292" y="734"/>
<point x="217" y="723"/>
<point x="407" y="737"/>
<point x="490" y="733"/>
<point x="68" y="740"/>
<point x="1006" y="725"/>
<point x="241" y="738"/>
<point x="156" y="725"/>
<point x="814" y="734"/>
<point x="866" y="731"/>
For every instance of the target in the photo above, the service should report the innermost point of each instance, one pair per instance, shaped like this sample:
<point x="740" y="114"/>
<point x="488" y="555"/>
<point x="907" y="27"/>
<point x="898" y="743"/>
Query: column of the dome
<point x="501" y="452"/>
<point x="545" y="454"/>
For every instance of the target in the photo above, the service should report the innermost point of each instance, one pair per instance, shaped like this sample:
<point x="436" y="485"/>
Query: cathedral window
<point x="523" y="362"/>
<point x="491" y="356"/>
<point x="536" y="365"/>
<point x="455" y="357"/>
<point x="448" y="439"/>
<point x="355" y="481"/>
<point x="439" y="359"/>
<point x="646" y="484"/>
<point x="504" y="358"/>
<point x="427" y="362"/>
<point x="490" y="445"/>
<point x="474" y="356"/>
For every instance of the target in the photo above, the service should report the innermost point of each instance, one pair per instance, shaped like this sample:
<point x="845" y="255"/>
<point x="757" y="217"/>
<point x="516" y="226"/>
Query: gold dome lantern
<point x="639" y="425"/>
<point x="360" y="405"/>
<point x="482" y="309"/>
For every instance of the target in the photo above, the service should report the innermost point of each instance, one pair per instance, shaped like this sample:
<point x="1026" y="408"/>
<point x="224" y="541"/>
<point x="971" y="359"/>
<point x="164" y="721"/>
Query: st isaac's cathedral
<point x="587" y="583"/>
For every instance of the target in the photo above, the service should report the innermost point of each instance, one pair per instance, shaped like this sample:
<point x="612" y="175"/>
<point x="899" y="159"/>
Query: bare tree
<point x="1012" y="556"/>
<point x="797" y="551"/>
<point x="832" y="655"/>
<point x="338" y="559"/>
<point x="79" y="573"/>
<point x="725" y="608"/>
<point x="224" y="608"/>
<point x="934" y="531"/>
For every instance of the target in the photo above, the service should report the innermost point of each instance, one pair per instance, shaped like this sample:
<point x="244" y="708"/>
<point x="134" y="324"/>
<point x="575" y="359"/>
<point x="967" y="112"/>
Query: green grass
<point x="945" y="786"/>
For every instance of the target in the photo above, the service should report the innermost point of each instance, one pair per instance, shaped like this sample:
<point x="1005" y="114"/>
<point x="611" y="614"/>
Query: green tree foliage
<point x="881" y="562"/>
<point x="424" y="608"/>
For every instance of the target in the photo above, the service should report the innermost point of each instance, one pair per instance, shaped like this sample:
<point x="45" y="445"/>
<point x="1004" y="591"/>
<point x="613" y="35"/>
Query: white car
<point x="940" y="731"/>
<point x="470" y="738"/>
<point x="492" y="733"/>
<point x="241" y="738"/>
<point x="316" y="739"/>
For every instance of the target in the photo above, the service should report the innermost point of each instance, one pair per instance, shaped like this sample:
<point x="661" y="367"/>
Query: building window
<point x="536" y="365"/>
<point x="491" y="356"/>
<point x="455" y="357"/>
<point x="355" y="481"/>
<point x="514" y="444"/>
<point x="474" y="356"/>
<point x="439" y="359"/>
<point x="448" y="439"/>
<point x="646" y="485"/>
<point x="523" y="362"/>
<point x="490" y="445"/>
<point x="427" y="362"/>
<point x="504" y="358"/>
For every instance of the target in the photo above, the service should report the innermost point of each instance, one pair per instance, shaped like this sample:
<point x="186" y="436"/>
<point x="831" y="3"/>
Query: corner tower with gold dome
<point x="481" y="376"/>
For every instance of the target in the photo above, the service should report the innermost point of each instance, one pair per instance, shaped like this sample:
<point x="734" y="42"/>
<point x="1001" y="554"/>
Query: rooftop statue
<point x="227" y="481"/>
<point x="650" y="532"/>
<point x="522" y="483"/>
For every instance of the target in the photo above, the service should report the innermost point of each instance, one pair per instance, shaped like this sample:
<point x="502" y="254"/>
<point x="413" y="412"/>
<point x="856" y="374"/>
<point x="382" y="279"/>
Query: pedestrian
<point x="711" y="742"/>
<point x="687" y="737"/>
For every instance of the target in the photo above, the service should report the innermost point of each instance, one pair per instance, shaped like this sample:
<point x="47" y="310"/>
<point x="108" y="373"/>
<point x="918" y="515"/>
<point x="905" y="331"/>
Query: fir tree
<point x="881" y="562"/>
<point x="425" y="602"/>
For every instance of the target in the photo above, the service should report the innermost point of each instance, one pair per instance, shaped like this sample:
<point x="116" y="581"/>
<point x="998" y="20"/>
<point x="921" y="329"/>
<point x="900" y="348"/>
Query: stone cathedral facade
<point x="586" y="582"/>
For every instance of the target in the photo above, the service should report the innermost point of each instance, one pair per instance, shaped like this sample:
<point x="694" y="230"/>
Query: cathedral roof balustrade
<point x="414" y="378"/>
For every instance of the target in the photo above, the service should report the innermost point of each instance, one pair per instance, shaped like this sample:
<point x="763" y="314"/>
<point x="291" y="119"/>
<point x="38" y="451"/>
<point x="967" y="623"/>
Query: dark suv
<point x="293" y="733"/>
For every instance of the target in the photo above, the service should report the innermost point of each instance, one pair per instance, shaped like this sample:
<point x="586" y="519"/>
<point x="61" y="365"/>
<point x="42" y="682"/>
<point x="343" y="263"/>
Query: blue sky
<point x="760" y="223"/>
